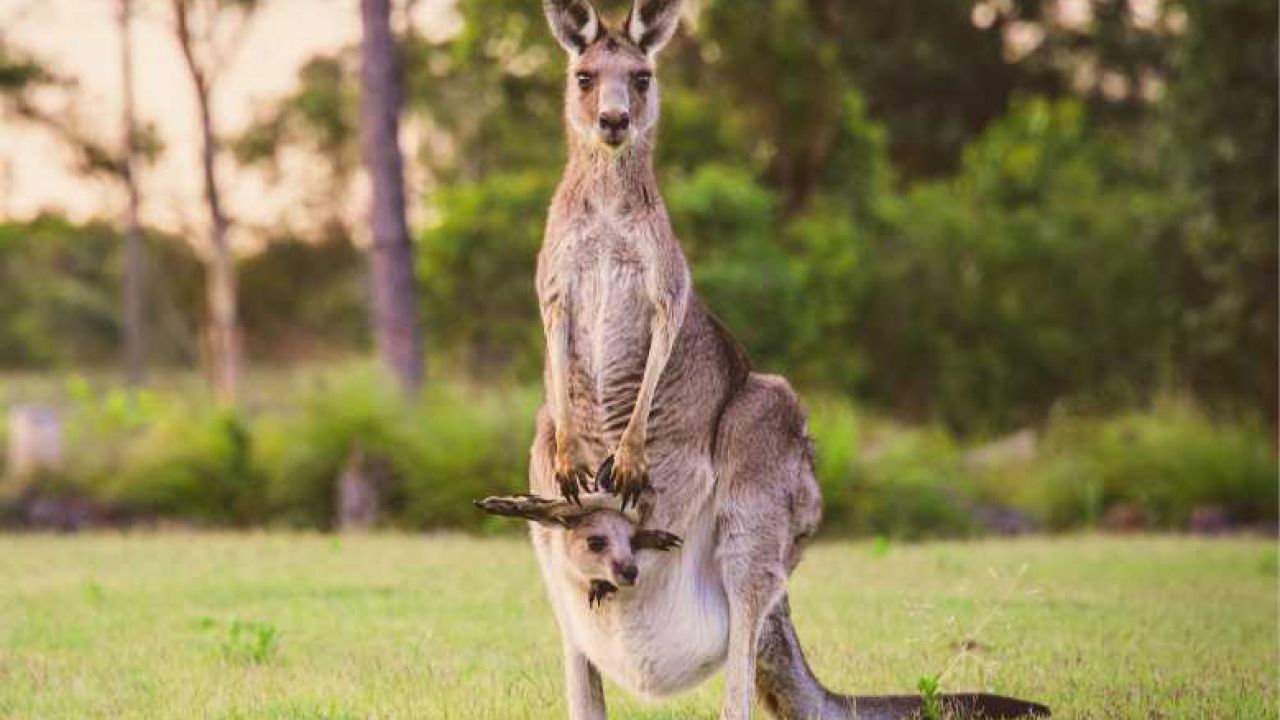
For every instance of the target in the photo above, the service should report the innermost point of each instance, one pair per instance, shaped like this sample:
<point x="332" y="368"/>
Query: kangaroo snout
<point x="627" y="573"/>
<point x="614" y="125"/>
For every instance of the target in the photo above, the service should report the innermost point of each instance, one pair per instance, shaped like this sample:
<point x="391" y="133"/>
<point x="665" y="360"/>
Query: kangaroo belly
<point x="664" y="636"/>
<point x="609" y="345"/>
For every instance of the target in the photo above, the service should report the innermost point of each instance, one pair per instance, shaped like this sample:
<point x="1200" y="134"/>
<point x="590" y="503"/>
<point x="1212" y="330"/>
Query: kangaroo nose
<point x="629" y="573"/>
<point x="615" y="121"/>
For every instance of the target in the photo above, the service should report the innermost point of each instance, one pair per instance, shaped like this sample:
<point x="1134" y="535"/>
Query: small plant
<point x="250" y="641"/>
<point x="967" y="648"/>
<point x="930" y="698"/>
<point x="93" y="591"/>
<point x="880" y="546"/>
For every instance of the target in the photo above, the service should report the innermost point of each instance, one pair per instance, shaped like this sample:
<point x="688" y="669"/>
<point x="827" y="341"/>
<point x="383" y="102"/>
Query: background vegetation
<point x="945" y="222"/>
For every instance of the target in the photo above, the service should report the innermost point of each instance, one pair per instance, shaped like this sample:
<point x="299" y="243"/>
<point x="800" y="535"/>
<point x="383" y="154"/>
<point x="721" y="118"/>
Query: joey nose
<point x="628" y="574"/>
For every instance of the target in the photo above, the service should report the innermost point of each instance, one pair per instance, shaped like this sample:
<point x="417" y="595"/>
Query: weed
<point x="249" y="641"/>
<point x="930" y="698"/>
<point x="93" y="592"/>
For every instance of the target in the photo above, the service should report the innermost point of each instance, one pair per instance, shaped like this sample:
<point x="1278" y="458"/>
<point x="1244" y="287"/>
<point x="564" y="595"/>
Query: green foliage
<point x="930" y="697"/>
<point x="173" y="454"/>
<point x="59" y="294"/>
<point x="1223" y="111"/>
<point x="471" y="444"/>
<point x="323" y="314"/>
<point x="910" y="485"/>
<point x="249" y="641"/>
<point x="1030" y="276"/>
<point x="476" y="266"/>
<point x="726" y="220"/>
<point x="435" y="456"/>
<point x="304" y="450"/>
<point x="1166" y="463"/>
<point x="190" y="464"/>
<point x="879" y="198"/>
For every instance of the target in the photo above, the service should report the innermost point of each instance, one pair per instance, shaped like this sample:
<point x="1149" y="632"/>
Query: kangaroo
<point x="651" y="399"/>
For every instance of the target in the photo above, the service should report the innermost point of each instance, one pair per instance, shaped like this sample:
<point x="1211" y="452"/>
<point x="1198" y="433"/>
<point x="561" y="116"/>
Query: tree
<point x="223" y="325"/>
<point x="391" y="266"/>
<point x="134" y="281"/>
<point x="20" y="77"/>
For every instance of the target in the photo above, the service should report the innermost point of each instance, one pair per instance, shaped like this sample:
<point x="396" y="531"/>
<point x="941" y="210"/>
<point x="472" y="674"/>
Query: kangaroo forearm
<point x="660" y="346"/>
<point x="557" y="331"/>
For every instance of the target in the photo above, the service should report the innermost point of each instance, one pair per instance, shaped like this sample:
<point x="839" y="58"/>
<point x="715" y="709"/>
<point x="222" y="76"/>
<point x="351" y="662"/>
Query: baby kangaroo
<point x="601" y="543"/>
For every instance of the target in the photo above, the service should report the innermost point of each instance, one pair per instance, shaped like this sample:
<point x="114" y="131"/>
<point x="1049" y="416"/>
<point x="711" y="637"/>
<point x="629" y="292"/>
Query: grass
<point x="396" y="626"/>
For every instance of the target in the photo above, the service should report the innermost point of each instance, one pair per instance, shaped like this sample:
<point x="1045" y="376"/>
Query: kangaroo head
<point x="601" y="542"/>
<point x="611" y="94"/>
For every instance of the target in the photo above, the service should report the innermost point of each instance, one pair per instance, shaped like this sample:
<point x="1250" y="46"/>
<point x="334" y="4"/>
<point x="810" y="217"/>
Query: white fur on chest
<point x="663" y="636"/>
<point x="609" y="298"/>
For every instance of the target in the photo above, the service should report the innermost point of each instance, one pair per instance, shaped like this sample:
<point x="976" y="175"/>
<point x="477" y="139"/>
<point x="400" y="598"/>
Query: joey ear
<point x="574" y="23"/>
<point x="555" y="513"/>
<point x="652" y="23"/>
<point x="654" y="540"/>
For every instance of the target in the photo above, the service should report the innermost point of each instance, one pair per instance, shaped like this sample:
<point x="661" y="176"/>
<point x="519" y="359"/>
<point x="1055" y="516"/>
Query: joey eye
<point x="585" y="80"/>
<point x="597" y="543"/>
<point x="642" y="80"/>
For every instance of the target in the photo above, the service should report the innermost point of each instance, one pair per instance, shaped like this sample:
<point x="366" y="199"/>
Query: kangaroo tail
<point x="789" y="690"/>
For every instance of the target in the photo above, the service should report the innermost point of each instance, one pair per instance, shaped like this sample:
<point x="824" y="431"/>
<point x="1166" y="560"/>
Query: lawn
<point x="398" y="626"/>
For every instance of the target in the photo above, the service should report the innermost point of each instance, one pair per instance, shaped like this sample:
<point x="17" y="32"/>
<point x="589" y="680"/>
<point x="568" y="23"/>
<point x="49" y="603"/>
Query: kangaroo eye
<point x="642" y="80"/>
<point x="585" y="79"/>
<point x="597" y="543"/>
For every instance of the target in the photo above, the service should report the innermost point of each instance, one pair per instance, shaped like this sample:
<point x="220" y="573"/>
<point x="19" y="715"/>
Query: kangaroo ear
<point x="574" y="23"/>
<point x="654" y="540"/>
<point x="555" y="513"/>
<point x="651" y="23"/>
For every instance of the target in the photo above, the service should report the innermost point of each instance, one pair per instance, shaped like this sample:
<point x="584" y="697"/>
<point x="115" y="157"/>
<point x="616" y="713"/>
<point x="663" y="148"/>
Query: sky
<point x="80" y="39"/>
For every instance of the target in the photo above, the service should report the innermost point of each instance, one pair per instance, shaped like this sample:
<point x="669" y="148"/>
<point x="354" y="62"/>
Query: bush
<point x="60" y="289"/>
<point x="192" y="464"/>
<point x="452" y="446"/>
<point x="1165" y="463"/>
<point x="303" y="449"/>
<point x="468" y="444"/>
<point x="476" y="274"/>
<point x="175" y="454"/>
<point x="888" y="480"/>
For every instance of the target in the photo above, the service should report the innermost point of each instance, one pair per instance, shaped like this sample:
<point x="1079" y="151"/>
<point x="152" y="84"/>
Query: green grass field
<point x="395" y="626"/>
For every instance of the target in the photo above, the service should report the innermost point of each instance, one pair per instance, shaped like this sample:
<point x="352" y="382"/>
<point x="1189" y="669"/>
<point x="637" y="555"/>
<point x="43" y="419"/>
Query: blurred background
<point x="1019" y="256"/>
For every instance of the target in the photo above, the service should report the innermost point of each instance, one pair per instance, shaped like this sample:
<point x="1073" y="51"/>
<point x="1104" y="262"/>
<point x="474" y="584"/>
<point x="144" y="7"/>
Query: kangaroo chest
<point x="603" y="272"/>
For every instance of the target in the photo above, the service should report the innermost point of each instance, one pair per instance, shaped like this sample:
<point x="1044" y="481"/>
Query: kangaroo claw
<point x="622" y="480"/>
<point x="573" y="481"/>
<point x="604" y="476"/>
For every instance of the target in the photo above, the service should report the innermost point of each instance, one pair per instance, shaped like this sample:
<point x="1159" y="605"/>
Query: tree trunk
<point x="391" y="268"/>
<point x="134" y="279"/>
<point x="220" y="284"/>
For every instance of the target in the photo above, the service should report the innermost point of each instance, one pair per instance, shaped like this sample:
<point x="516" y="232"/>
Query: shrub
<point x="888" y="480"/>
<point x="192" y="463"/>
<point x="1166" y="462"/>
<point x="913" y="485"/>
<point x="303" y="449"/>
<point x="466" y="444"/>
<point x="454" y="445"/>
<point x="476" y="270"/>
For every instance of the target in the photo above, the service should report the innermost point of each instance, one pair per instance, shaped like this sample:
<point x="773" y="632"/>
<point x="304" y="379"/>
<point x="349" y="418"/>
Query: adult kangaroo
<point x="649" y="394"/>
